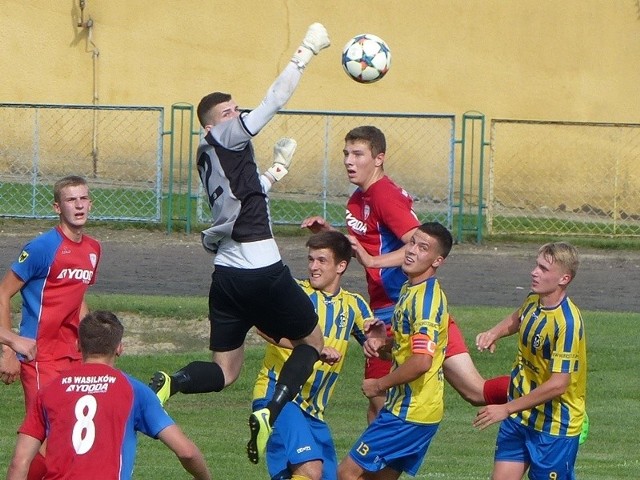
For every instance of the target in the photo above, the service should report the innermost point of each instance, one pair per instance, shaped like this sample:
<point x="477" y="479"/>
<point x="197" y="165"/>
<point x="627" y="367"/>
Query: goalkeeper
<point x="250" y="285"/>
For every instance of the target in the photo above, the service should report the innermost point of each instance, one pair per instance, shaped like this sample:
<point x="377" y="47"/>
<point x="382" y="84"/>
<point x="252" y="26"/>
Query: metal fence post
<point x="468" y="171"/>
<point x="184" y="197"/>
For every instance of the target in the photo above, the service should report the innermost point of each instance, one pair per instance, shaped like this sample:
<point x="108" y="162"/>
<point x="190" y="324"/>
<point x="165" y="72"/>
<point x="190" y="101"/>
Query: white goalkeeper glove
<point x="282" y="155"/>
<point x="315" y="40"/>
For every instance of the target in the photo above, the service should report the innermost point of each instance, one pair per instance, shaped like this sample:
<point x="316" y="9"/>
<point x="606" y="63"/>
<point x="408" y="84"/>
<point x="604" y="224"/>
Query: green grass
<point x="217" y="422"/>
<point x="131" y="204"/>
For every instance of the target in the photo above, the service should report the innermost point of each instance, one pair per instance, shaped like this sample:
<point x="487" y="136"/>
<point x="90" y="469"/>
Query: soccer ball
<point x="366" y="58"/>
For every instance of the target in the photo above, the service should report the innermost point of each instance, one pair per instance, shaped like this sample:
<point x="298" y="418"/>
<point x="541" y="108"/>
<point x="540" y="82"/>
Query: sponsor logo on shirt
<point x="356" y="225"/>
<point x="89" y="384"/>
<point x="76" y="274"/>
<point x="537" y="341"/>
<point x="530" y="365"/>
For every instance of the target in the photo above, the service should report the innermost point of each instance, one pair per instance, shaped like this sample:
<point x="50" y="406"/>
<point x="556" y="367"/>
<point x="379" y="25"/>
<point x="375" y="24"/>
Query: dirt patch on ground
<point x="146" y="336"/>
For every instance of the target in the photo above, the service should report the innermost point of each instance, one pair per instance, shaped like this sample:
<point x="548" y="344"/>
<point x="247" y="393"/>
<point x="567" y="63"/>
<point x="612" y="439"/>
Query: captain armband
<point x="422" y="344"/>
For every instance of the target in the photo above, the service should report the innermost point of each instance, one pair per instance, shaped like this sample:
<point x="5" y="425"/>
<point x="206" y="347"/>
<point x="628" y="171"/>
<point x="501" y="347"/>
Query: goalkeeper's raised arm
<point x="283" y="87"/>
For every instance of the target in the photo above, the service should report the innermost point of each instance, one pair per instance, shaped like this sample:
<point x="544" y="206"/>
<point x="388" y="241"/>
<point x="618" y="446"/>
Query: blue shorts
<point x="548" y="456"/>
<point x="298" y="437"/>
<point x="403" y="450"/>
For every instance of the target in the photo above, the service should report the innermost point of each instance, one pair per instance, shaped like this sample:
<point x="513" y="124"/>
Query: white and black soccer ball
<point x="366" y="58"/>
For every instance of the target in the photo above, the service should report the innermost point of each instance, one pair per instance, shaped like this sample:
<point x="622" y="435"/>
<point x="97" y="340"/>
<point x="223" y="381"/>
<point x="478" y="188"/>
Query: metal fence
<point x="419" y="157"/>
<point x="543" y="177"/>
<point x="119" y="149"/>
<point x="564" y="178"/>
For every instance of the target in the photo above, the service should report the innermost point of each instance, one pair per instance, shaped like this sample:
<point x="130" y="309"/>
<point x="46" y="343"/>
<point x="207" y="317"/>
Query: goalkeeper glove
<point x="282" y="155"/>
<point x="315" y="40"/>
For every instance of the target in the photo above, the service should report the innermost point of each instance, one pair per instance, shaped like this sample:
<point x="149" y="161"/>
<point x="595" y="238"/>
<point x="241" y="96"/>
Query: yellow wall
<point x="536" y="59"/>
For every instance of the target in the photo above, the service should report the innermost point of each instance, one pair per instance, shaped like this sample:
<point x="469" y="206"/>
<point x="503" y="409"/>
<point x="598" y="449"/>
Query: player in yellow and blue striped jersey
<point x="398" y="438"/>
<point x="300" y="445"/>
<point x="543" y="419"/>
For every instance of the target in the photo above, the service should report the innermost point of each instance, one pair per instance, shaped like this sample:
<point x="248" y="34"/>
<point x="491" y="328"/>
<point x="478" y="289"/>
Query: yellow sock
<point x="299" y="477"/>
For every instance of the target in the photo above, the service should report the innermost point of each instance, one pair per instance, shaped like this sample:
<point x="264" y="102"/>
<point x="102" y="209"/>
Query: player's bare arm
<point x="9" y="364"/>
<point x="508" y="326"/>
<point x="385" y="260"/>
<point x="189" y="455"/>
<point x="552" y="388"/>
<point x="26" y="449"/>
<point x="415" y="366"/>
<point x="84" y="308"/>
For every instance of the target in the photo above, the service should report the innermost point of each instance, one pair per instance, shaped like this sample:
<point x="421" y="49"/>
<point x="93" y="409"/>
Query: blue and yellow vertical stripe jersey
<point x="339" y="316"/>
<point x="421" y="309"/>
<point x="552" y="340"/>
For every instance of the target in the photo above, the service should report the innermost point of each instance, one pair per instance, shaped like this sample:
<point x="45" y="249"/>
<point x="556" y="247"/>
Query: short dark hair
<point x="370" y="134"/>
<point x="440" y="232"/>
<point x="68" y="181"/>
<point x="206" y="105"/>
<point x="100" y="333"/>
<point x="333" y="240"/>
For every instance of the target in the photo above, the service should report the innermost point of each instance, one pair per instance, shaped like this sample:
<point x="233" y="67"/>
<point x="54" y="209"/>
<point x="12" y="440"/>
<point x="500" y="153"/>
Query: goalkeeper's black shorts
<point x="268" y="298"/>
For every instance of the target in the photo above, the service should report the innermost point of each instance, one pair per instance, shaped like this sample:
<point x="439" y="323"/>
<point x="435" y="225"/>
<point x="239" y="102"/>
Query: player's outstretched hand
<point x="283" y="152"/>
<point x="490" y="414"/>
<point x="486" y="341"/>
<point x="375" y="328"/>
<point x="363" y="257"/>
<point x="375" y="347"/>
<point x="317" y="38"/>
<point x="316" y="224"/>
